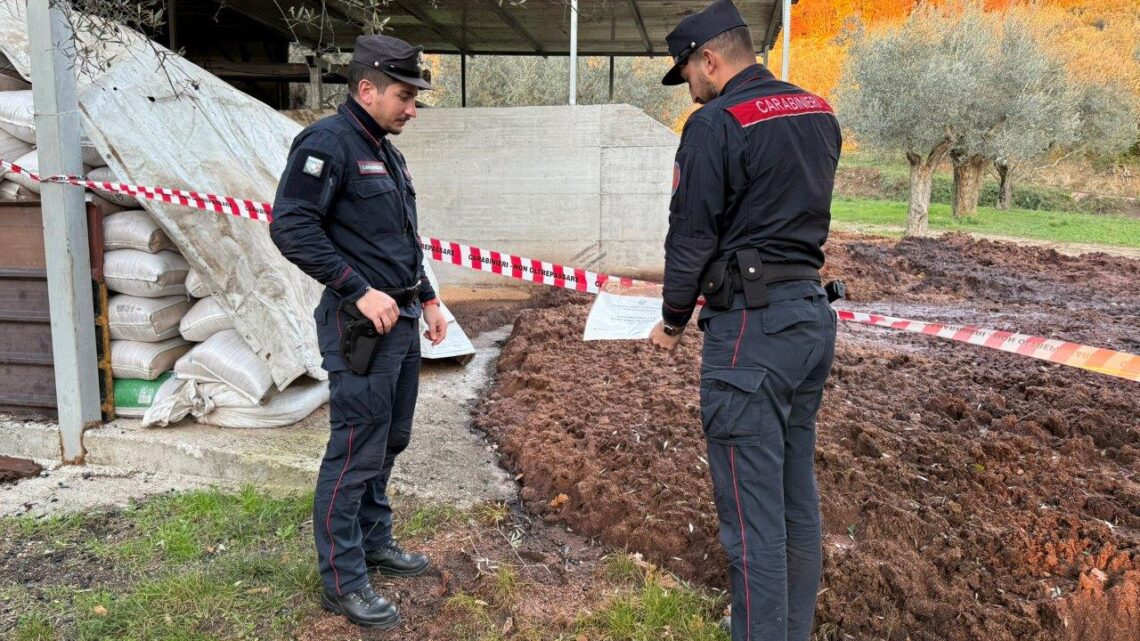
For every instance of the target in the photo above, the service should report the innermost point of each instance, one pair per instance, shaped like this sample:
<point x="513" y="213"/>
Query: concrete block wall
<point x="587" y="186"/>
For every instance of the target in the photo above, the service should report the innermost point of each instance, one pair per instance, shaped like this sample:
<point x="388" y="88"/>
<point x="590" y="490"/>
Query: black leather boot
<point x="392" y="560"/>
<point x="364" y="608"/>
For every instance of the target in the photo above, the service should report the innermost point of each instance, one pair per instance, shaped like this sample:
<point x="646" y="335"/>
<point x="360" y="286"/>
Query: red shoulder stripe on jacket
<point x="778" y="106"/>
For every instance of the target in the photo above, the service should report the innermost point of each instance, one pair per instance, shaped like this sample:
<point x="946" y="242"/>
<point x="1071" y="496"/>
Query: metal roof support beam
<point x="513" y="23"/>
<point x="462" y="80"/>
<point x="419" y="14"/>
<point x="786" y="25"/>
<point x="636" y="11"/>
<point x="773" y="24"/>
<point x="573" y="52"/>
<point x="611" y="78"/>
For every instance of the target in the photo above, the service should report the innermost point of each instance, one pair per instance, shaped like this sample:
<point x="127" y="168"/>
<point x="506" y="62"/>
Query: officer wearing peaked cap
<point x="749" y="215"/>
<point x="345" y="213"/>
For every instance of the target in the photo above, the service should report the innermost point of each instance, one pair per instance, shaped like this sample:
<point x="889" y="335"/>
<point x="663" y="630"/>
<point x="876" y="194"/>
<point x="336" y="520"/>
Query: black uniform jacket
<point x="345" y="210"/>
<point x="755" y="168"/>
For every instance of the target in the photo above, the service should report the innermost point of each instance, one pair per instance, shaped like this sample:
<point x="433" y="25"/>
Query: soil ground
<point x="967" y="493"/>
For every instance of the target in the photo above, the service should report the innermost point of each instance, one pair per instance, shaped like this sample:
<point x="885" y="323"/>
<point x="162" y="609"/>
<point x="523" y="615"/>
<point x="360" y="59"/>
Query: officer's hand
<point x="436" y="323"/>
<point x="380" y="308"/>
<point x="659" y="339"/>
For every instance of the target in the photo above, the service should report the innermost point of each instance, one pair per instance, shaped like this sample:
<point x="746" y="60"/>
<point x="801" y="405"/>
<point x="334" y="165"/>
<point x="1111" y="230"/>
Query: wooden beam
<point x="419" y="14"/>
<point x="513" y="23"/>
<point x="274" y="71"/>
<point x="636" y="10"/>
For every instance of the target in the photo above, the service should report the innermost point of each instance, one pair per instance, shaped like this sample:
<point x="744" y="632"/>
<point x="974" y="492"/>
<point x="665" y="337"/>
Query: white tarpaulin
<point x="168" y="123"/>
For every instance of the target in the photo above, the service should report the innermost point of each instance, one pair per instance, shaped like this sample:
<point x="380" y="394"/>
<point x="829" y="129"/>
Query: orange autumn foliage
<point x="1098" y="40"/>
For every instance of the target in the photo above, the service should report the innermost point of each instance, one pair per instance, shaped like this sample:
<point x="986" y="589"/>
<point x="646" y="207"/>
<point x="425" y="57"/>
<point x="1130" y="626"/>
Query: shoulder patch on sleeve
<point x="314" y="166"/>
<point x="304" y="178"/>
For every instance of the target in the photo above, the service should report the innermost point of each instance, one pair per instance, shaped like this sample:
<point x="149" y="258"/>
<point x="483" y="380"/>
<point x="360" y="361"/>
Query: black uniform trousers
<point x="762" y="378"/>
<point x="371" y="423"/>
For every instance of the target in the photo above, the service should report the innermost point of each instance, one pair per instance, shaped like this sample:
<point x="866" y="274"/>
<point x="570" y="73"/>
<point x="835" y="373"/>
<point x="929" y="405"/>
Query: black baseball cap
<point x="394" y="57"/>
<point x="695" y="30"/>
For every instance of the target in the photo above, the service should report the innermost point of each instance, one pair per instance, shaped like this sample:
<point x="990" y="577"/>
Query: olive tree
<point x="911" y="88"/>
<point x="1026" y="108"/>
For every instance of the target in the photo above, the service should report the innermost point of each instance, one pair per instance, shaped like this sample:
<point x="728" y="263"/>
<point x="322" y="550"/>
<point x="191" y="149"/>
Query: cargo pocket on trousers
<point x="725" y="396"/>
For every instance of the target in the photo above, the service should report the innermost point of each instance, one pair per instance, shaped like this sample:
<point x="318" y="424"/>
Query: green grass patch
<point x="34" y="627"/>
<point x="655" y="612"/>
<point x="1053" y="226"/>
<point x="622" y="568"/>
<point x="50" y="528"/>
<point x="195" y="525"/>
<point x="194" y="566"/>
<point x="425" y="521"/>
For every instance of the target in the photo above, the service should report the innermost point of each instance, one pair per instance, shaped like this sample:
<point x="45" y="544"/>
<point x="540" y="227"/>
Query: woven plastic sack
<point x="134" y="229"/>
<point x="195" y="286"/>
<point x="148" y="320"/>
<point x="133" y="359"/>
<point x="17" y="117"/>
<point x="204" y="319"/>
<point x="106" y="175"/>
<point x="134" y="396"/>
<point x="138" y="273"/>
<point x="225" y="358"/>
<point x="12" y="147"/>
<point x="13" y="191"/>
<point x="220" y="405"/>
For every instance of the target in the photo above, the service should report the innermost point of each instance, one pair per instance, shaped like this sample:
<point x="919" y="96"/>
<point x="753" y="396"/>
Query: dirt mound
<point x="956" y="267"/>
<point x="966" y="493"/>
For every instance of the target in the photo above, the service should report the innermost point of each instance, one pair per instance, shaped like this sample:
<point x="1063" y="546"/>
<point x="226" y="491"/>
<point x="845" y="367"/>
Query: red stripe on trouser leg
<point x="332" y="502"/>
<point x="743" y="324"/>
<point x="744" y="546"/>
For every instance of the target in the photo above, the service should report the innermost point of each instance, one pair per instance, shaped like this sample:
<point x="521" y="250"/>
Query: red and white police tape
<point x="1104" y="361"/>
<point x="1096" y="359"/>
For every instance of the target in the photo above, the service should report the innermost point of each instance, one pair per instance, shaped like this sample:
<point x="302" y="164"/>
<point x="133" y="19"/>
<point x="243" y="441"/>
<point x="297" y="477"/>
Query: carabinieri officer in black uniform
<point x="345" y="213"/>
<point x="750" y="212"/>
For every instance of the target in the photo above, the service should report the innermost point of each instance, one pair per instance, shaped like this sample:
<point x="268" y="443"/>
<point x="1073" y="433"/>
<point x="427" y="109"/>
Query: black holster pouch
<point x="717" y="286"/>
<point x="835" y="290"/>
<point x="751" y="271"/>
<point x="359" y="340"/>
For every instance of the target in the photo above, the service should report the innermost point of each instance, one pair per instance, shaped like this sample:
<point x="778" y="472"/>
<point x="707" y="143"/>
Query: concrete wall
<point x="587" y="186"/>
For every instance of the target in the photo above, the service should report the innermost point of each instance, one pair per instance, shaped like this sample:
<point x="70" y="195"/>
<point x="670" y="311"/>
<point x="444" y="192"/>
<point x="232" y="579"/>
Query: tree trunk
<point x="967" y="185"/>
<point x="1005" y="192"/>
<point x="921" y="182"/>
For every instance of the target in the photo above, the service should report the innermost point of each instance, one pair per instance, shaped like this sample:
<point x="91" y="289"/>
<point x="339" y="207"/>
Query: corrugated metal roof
<point x="605" y="27"/>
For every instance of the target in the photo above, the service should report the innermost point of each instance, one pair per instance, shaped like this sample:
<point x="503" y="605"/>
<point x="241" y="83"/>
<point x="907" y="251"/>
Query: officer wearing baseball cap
<point x="345" y="214"/>
<point x="750" y="213"/>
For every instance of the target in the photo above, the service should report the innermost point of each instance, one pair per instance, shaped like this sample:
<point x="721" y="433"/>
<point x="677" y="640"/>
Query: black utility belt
<point x="402" y="295"/>
<point x="744" y="273"/>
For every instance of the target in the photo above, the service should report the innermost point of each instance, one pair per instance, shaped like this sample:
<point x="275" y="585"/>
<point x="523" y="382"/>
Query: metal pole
<point x="611" y="79"/>
<point x="65" y="228"/>
<point x="766" y="52"/>
<point x="172" y="24"/>
<point x="787" y="53"/>
<point x="573" y="52"/>
<point x="316" y="85"/>
<point x="462" y="79"/>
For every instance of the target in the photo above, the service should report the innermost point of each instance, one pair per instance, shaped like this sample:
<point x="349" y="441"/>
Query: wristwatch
<point x="671" y="330"/>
